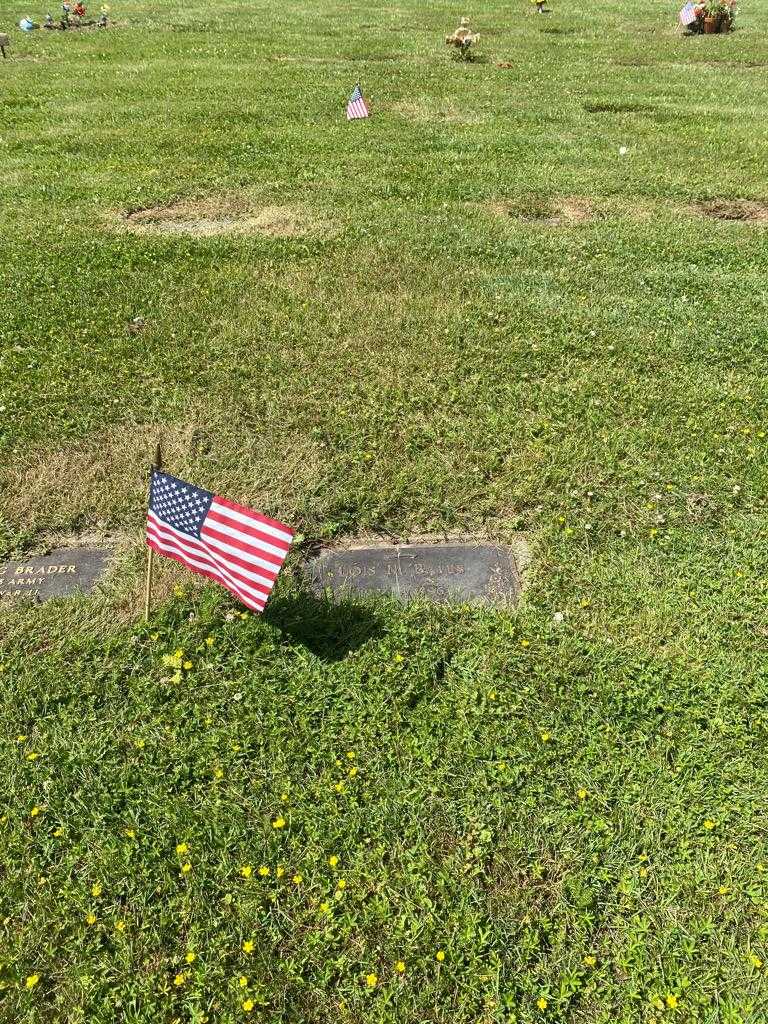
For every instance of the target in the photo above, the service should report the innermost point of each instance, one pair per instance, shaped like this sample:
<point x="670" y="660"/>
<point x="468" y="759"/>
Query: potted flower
<point x="717" y="16"/>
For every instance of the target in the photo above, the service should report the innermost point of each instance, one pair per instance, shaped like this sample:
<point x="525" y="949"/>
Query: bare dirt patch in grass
<point x="205" y="218"/>
<point x="753" y="211"/>
<point x="562" y="212"/>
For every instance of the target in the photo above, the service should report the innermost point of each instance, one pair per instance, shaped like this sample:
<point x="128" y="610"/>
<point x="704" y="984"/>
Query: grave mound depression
<point x="219" y="216"/>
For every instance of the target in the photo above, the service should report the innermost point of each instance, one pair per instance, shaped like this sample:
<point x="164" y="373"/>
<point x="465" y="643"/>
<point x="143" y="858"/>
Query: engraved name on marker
<point x="60" y="573"/>
<point x="440" y="572"/>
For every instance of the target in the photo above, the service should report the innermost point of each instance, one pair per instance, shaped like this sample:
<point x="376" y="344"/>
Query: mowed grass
<point x="371" y="812"/>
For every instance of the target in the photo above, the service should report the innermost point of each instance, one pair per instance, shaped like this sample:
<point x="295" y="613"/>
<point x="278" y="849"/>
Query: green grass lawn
<point x="468" y="314"/>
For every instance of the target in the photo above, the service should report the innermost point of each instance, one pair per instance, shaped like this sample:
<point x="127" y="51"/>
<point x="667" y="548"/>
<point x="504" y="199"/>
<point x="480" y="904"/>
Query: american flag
<point x="687" y="15"/>
<point x="356" y="106"/>
<point x="233" y="545"/>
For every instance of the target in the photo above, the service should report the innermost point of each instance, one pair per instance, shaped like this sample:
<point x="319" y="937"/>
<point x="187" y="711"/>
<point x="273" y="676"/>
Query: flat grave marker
<point x="61" y="573"/>
<point x="487" y="573"/>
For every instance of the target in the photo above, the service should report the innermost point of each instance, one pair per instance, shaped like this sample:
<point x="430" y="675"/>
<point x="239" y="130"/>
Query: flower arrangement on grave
<point x="462" y="38"/>
<point x="720" y="14"/>
<point x="709" y="16"/>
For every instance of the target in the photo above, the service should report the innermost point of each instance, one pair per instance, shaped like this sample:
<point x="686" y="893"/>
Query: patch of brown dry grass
<point x="219" y="215"/>
<point x="99" y="484"/>
<point x="557" y="212"/>
<point x="431" y="110"/>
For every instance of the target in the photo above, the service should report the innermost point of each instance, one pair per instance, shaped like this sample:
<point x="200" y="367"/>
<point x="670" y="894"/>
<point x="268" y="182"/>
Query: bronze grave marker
<point x="440" y="572"/>
<point x="60" y="573"/>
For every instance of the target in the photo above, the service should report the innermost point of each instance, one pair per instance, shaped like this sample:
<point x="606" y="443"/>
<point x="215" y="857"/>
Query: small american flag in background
<point x="233" y="545"/>
<point x="356" y="106"/>
<point x="687" y="15"/>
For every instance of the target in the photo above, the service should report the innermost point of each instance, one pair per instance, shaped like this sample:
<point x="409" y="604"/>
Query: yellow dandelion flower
<point x="187" y="665"/>
<point x="191" y="957"/>
<point x="541" y="1003"/>
<point x="246" y="870"/>
<point x="339" y="787"/>
<point x="182" y="848"/>
<point x="709" y="824"/>
<point x="545" y="737"/>
<point x="58" y="832"/>
<point x="90" y="917"/>
<point x="186" y="868"/>
<point x="671" y="1001"/>
<point x="590" y="961"/>
<point x="179" y="979"/>
<point x="20" y="738"/>
<point x="263" y="871"/>
<point x="32" y="756"/>
<point x="341" y="884"/>
<point x="325" y="907"/>
<point x="525" y="643"/>
<point x="351" y="755"/>
<point x="96" y="889"/>
<point x="370" y="980"/>
<point x="398" y="659"/>
<point x="333" y="860"/>
<point x="400" y="967"/>
<point x="352" y="771"/>
<point x="209" y="641"/>
<point x="582" y="794"/>
<point x="280" y="871"/>
<point x="120" y="925"/>
<point x="139" y="744"/>
<point x="218" y="773"/>
<point x="297" y="879"/>
<point x="130" y="833"/>
<point x="34" y="812"/>
<point x="32" y="980"/>
<point x="278" y="823"/>
<point x="440" y="955"/>
<point x="242" y="981"/>
<point x="756" y="961"/>
<point x="284" y="797"/>
<point x="248" y="946"/>
<point x="248" y="1005"/>
<point x="723" y="890"/>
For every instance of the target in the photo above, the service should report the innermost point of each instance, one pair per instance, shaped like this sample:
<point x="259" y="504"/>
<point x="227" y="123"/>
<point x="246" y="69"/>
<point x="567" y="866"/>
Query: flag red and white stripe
<point x="237" y="547"/>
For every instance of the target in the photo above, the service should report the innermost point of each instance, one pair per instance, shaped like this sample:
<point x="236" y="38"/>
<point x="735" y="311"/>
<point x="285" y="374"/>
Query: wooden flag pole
<point x="157" y="465"/>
